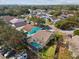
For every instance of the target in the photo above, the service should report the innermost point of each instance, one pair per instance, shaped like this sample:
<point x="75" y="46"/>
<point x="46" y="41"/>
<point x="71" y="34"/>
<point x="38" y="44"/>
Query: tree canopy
<point x="9" y="36"/>
<point x="76" y="32"/>
<point x="14" y="11"/>
<point x="40" y="21"/>
<point x="67" y="24"/>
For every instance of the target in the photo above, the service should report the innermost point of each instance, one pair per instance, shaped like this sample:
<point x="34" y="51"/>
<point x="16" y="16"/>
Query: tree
<point x="40" y="21"/>
<point x="55" y="13"/>
<point x="58" y="37"/>
<point x="67" y="24"/>
<point x="9" y="36"/>
<point x="76" y="32"/>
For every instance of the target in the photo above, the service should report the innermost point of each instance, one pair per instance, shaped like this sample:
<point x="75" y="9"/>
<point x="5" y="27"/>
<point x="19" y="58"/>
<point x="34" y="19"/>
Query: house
<point x="40" y="39"/>
<point x="17" y="22"/>
<point x="74" y="46"/>
<point x="30" y="30"/>
<point x="63" y="16"/>
<point x="7" y="18"/>
<point x="70" y="15"/>
<point x="27" y="27"/>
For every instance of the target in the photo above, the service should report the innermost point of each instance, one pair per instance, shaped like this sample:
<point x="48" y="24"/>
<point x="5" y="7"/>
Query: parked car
<point x="21" y="56"/>
<point x="10" y="53"/>
<point x="4" y="50"/>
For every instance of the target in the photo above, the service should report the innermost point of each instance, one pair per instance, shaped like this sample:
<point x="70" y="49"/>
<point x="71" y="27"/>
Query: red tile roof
<point x="42" y="36"/>
<point x="28" y="27"/>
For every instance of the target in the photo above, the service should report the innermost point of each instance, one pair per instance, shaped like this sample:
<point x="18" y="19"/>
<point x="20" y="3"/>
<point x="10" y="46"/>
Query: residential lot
<point x="38" y="34"/>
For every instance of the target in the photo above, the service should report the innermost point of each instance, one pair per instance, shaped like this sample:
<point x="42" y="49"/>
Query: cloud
<point x="68" y="2"/>
<point x="39" y="2"/>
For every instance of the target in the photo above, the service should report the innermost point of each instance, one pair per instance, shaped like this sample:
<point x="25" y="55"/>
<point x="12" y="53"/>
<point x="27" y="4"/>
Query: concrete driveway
<point x="2" y="57"/>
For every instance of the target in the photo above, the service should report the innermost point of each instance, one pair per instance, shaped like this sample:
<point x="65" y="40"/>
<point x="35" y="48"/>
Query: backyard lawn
<point x="49" y="53"/>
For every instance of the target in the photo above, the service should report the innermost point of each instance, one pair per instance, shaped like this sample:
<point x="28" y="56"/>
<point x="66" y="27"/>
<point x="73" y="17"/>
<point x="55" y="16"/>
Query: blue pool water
<point x="36" y="45"/>
<point x="34" y="30"/>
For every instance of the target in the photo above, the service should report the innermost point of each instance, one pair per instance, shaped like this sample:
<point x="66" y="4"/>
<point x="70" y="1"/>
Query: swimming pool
<point x="33" y="30"/>
<point x="36" y="45"/>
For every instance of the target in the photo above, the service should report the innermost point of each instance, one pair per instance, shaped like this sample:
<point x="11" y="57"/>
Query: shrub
<point x="67" y="24"/>
<point x="76" y="32"/>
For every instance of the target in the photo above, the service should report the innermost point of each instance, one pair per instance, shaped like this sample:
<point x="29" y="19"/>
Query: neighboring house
<point x="74" y="46"/>
<point x="40" y="39"/>
<point x="53" y="19"/>
<point x="63" y="16"/>
<point x="70" y="15"/>
<point x="30" y="30"/>
<point x="37" y="12"/>
<point x="27" y="27"/>
<point x="17" y="22"/>
<point x="7" y="18"/>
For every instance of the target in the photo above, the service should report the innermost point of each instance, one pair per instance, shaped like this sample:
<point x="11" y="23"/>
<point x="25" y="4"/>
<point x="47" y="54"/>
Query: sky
<point x="39" y="2"/>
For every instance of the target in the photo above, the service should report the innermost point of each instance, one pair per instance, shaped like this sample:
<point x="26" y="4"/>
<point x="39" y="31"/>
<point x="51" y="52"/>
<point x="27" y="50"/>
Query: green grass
<point x="49" y="53"/>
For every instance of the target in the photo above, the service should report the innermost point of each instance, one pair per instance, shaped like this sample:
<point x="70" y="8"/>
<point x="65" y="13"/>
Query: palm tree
<point x="39" y="21"/>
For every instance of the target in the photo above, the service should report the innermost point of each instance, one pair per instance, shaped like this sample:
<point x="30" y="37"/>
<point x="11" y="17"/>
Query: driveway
<point x="1" y="57"/>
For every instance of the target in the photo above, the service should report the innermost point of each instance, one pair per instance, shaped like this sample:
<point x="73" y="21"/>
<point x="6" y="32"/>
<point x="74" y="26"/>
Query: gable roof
<point x="15" y="20"/>
<point x="8" y="18"/>
<point x="19" y="24"/>
<point x="28" y="27"/>
<point x="41" y="37"/>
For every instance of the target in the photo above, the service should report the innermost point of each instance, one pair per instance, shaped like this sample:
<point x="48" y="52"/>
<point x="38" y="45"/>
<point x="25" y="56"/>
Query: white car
<point x="22" y="56"/>
<point x="6" y="54"/>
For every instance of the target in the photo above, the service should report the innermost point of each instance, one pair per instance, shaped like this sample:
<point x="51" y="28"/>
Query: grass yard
<point x="49" y="53"/>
